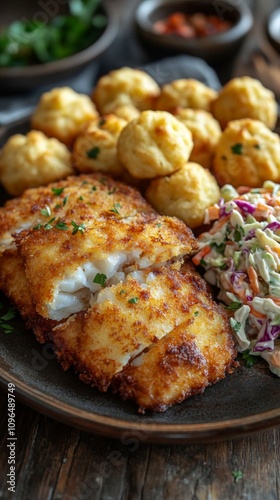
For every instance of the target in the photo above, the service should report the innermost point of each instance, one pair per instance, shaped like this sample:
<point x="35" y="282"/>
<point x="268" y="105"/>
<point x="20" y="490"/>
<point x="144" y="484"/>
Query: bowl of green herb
<point x="44" y="42"/>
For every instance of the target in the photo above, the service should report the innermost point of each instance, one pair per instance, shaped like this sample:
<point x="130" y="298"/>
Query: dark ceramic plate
<point x="273" y="29"/>
<point x="245" y="402"/>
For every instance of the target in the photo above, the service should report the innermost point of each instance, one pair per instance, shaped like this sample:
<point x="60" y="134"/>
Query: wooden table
<point x="54" y="461"/>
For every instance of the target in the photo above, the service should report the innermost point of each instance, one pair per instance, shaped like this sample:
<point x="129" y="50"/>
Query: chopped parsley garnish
<point x="57" y="191"/>
<point x="236" y="325"/>
<point x="80" y="198"/>
<point x="249" y="359"/>
<point x="196" y="313"/>
<point x="102" y="122"/>
<point x="237" y="148"/>
<point x="115" y="208"/>
<point x="77" y="227"/>
<point x="93" y="152"/>
<point x="112" y="191"/>
<point x="234" y="305"/>
<point x="100" y="279"/>
<point x="237" y="475"/>
<point x="4" y="326"/>
<point x="94" y="188"/>
<point x="46" y="211"/>
<point x="61" y="225"/>
<point x="65" y="200"/>
<point x="158" y="225"/>
<point x="134" y="300"/>
<point x="122" y="292"/>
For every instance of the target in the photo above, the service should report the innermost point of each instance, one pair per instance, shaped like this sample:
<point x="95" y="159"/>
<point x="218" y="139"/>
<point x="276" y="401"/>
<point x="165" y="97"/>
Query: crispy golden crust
<point x="14" y="284"/>
<point x="167" y="319"/>
<point x="57" y="254"/>
<point x="85" y="194"/>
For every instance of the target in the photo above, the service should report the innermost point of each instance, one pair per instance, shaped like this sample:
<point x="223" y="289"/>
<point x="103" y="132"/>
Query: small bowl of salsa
<point x="213" y="30"/>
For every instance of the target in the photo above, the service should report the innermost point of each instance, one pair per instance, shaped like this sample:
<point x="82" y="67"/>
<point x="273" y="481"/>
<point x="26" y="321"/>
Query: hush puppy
<point x="245" y="97"/>
<point x="154" y="144"/>
<point x="185" y="194"/>
<point x="124" y="91"/>
<point x="185" y="93"/>
<point x="62" y="113"/>
<point x="248" y="153"/>
<point x="95" y="149"/>
<point x="31" y="161"/>
<point x="206" y="133"/>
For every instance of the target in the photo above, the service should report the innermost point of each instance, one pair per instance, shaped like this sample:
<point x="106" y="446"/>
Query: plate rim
<point x="149" y="432"/>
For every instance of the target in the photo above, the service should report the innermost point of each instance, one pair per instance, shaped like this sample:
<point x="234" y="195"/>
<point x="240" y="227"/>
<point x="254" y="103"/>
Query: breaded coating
<point x="168" y="340"/>
<point x="206" y="132"/>
<point x="15" y="286"/>
<point x="245" y="97"/>
<point x="185" y="93"/>
<point x="95" y="149"/>
<point x="91" y="195"/>
<point x="154" y="144"/>
<point x="185" y="194"/>
<point x="62" y="113"/>
<point x="32" y="160"/>
<point x="125" y="87"/>
<point x="111" y="246"/>
<point x="248" y="153"/>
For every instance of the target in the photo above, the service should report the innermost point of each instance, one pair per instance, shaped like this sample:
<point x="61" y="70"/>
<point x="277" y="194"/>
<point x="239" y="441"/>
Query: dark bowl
<point x="25" y="78"/>
<point x="273" y="29"/>
<point x="215" y="48"/>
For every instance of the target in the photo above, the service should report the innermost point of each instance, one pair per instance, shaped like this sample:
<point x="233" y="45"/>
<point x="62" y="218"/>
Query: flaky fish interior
<point x="153" y="311"/>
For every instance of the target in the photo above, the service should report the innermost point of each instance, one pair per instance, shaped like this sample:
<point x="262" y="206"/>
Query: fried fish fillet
<point x="157" y="338"/>
<point x="14" y="284"/>
<point x="87" y="195"/>
<point x="109" y="247"/>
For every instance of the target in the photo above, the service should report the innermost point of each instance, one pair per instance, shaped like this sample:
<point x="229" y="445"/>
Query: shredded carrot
<point x="243" y="189"/>
<point x="257" y="314"/>
<point x="204" y="251"/>
<point x="214" y="212"/>
<point x="263" y="207"/>
<point x="253" y="277"/>
<point x="218" y="225"/>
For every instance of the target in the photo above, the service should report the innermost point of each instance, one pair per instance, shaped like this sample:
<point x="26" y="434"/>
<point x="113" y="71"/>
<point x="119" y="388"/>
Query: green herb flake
<point x="237" y="475"/>
<point x="9" y="315"/>
<point x="102" y="122"/>
<point x="115" y="208"/>
<point x="249" y="359"/>
<point x="134" y="300"/>
<point x="234" y="306"/>
<point x="257" y="146"/>
<point x="122" y="292"/>
<point x="46" y="212"/>
<point x="236" y="326"/>
<point x="112" y="191"/>
<point x="93" y="153"/>
<point x="94" y="188"/>
<point x="100" y="279"/>
<point x="196" y="313"/>
<point x="80" y="198"/>
<point x="61" y="225"/>
<point x="158" y="225"/>
<point x="78" y="227"/>
<point x="237" y="148"/>
<point x="65" y="200"/>
<point x="57" y="191"/>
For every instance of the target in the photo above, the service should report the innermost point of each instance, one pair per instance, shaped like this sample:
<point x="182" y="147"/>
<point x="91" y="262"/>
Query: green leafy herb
<point x="100" y="279"/>
<point x="102" y="122"/>
<point x="122" y="292"/>
<point x="237" y="148"/>
<point x="27" y="42"/>
<point x="93" y="152"/>
<point x="8" y="316"/>
<point x="57" y="191"/>
<point x="249" y="359"/>
<point x="237" y="475"/>
<point x="112" y="191"/>
<point x="77" y="227"/>
<point x="65" y="200"/>
<point x="46" y="211"/>
<point x="61" y="225"/>
<point x="115" y="208"/>
<point x="94" y="188"/>
<point x="80" y="198"/>
<point x="196" y="313"/>
<point x="134" y="300"/>
<point x="236" y="325"/>
<point x="234" y="305"/>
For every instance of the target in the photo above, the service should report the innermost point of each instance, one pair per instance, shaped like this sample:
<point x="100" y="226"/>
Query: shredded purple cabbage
<point x="247" y="207"/>
<point x="267" y="335"/>
<point x="273" y="226"/>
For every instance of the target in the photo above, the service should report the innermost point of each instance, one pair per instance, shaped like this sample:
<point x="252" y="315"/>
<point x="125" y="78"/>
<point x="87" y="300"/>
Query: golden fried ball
<point x="245" y="97"/>
<point x="62" y="113"/>
<point x="185" y="194"/>
<point x="31" y="161"/>
<point x="125" y="87"/>
<point x="206" y="132"/>
<point x="185" y="93"/>
<point x="248" y="153"/>
<point x="95" y="149"/>
<point x="154" y="144"/>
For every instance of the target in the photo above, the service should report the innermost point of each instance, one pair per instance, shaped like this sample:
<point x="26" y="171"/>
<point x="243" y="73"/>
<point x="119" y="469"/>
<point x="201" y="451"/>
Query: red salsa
<point x="192" y="25"/>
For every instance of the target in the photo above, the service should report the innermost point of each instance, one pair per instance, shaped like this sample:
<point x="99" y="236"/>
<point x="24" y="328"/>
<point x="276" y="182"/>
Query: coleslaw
<point x="241" y="256"/>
